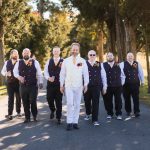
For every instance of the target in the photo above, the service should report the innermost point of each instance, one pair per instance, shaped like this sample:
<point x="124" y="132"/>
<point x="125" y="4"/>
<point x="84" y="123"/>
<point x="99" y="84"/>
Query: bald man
<point x="29" y="74"/>
<point x="134" y="77"/>
<point x="97" y="83"/>
<point x="12" y="84"/>
<point x="51" y="73"/>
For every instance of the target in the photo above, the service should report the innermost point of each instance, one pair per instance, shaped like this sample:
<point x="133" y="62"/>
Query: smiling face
<point x="110" y="57"/>
<point x="26" y="54"/>
<point x="14" y="54"/>
<point x="75" y="49"/>
<point x="92" y="55"/>
<point x="56" y="51"/>
<point x="130" y="57"/>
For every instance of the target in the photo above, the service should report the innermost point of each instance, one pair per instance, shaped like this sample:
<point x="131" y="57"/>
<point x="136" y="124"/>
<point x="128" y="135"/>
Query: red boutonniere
<point x="30" y="62"/>
<point x="134" y="65"/>
<point x="79" y="64"/>
<point x="96" y="64"/>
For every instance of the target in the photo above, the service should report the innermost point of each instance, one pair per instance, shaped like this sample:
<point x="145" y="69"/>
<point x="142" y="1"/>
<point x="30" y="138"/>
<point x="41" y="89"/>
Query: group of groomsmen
<point x="73" y="77"/>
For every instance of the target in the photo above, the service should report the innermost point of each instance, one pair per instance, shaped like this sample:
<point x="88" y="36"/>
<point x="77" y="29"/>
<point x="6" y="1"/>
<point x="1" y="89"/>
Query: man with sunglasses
<point x="115" y="80"/>
<point x="73" y="71"/>
<point x="51" y="73"/>
<point x="97" y="82"/>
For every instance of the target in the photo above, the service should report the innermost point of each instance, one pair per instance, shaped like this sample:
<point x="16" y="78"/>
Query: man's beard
<point x="14" y="58"/>
<point x="110" y="60"/>
<point x="74" y="54"/>
<point x="26" y="57"/>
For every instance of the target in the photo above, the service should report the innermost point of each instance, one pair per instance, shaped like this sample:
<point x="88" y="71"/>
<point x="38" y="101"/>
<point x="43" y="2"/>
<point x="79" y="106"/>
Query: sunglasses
<point x="92" y="54"/>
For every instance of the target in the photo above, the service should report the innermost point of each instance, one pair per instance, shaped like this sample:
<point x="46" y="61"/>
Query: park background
<point x="118" y="26"/>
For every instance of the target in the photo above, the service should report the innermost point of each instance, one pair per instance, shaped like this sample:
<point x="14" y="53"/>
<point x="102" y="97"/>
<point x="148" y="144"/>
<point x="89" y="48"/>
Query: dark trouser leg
<point x="18" y="99"/>
<point x="127" y="98"/>
<point x="24" y="90"/>
<point x="33" y="100"/>
<point x="11" y="91"/>
<point x="87" y="100"/>
<point x="58" y="101"/>
<point x="135" y="97"/>
<point x="108" y="98"/>
<point x="95" y="103"/>
<point x="50" y="98"/>
<point x="118" y="100"/>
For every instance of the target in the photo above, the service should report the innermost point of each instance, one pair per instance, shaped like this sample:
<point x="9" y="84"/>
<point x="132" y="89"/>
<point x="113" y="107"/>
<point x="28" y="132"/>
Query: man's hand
<point x="51" y="79"/>
<point x="85" y="88"/>
<point x="21" y="79"/>
<point x="40" y="85"/>
<point x="8" y="74"/>
<point x="62" y="90"/>
<point x="104" y="91"/>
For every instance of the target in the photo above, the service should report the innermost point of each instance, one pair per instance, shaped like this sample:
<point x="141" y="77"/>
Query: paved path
<point x="47" y="135"/>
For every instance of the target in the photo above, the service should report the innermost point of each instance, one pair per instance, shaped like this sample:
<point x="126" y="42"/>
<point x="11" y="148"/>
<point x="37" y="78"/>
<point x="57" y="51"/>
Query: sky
<point x="46" y="14"/>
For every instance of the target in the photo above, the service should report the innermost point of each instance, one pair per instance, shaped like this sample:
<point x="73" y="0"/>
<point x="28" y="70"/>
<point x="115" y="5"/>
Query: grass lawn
<point x="144" y="95"/>
<point x="3" y="90"/>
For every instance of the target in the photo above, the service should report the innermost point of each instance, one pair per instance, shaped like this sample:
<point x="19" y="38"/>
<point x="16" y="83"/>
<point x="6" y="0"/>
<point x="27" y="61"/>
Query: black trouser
<point x="91" y="98"/>
<point x="128" y="91"/>
<point x="13" y="90"/>
<point x="108" y="100"/>
<point x="29" y="97"/>
<point x="54" y="99"/>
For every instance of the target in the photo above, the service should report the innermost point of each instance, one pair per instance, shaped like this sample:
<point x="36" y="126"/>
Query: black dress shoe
<point x="69" y="127"/>
<point x="137" y="115"/>
<point x="26" y="120"/>
<point x="75" y="126"/>
<point x="34" y="119"/>
<point x="59" y="121"/>
<point x="9" y="117"/>
<point x="52" y="115"/>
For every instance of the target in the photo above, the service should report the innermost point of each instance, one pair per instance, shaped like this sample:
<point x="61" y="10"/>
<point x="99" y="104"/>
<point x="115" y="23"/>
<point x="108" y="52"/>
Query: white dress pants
<point x="73" y="97"/>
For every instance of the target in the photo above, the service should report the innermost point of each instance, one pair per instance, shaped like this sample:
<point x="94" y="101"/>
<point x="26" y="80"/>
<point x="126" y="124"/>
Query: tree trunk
<point x="1" y="44"/>
<point x="118" y="33"/>
<point x="130" y="40"/>
<point x="1" y="52"/>
<point x="100" y="49"/>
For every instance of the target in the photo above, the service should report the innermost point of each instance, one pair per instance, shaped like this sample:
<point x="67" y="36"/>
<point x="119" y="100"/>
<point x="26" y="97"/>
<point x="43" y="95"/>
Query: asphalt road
<point x="133" y="134"/>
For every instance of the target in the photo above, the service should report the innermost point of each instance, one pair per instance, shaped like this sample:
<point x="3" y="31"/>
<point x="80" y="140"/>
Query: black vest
<point x="10" y="67"/>
<point x="113" y="75"/>
<point x="94" y="74"/>
<point x="28" y="72"/>
<point x="131" y="73"/>
<point x="54" y="70"/>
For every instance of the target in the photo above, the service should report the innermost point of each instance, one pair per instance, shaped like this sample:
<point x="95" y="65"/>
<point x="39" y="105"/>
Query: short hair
<point x="12" y="51"/>
<point x="56" y="47"/>
<point x="91" y="51"/>
<point x="77" y="44"/>
<point x="26" y="49"/>
<point x="110" y="53"/>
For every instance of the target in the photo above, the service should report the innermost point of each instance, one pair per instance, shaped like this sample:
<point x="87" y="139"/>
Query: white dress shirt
<point x="39" y="74"/>
<point x="4" y="69"/>
<point x="72" y="75"/>
<point x="140" y="71"/>
<point x="46" y="72"/>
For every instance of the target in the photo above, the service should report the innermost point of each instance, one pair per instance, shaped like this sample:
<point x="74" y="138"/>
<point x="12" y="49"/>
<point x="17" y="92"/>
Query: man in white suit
<point x="73" y="74"/>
